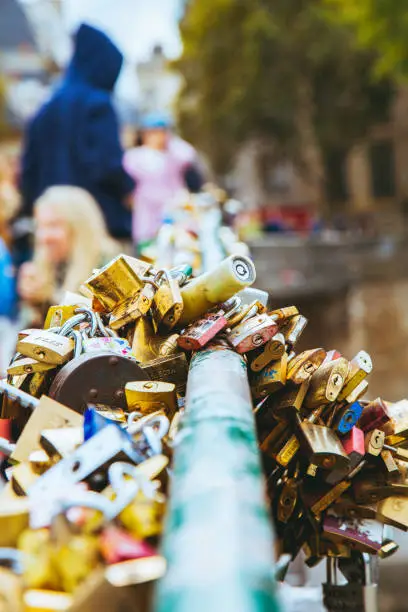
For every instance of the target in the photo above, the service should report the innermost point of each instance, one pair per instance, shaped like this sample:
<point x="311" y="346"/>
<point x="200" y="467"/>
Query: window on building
<point x="382" y="169"/>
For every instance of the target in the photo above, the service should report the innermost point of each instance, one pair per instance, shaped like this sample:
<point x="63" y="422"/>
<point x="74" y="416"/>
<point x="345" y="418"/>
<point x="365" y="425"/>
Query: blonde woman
<point x="71" y="240"/>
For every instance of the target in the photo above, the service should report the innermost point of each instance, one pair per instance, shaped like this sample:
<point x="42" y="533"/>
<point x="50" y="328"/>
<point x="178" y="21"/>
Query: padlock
<point x="137" y="304"/>
<point x="346" y="418"/>
<point x="172" y="369"/>
<point x="374" y="442"/>
<point x="302" y="367"/>
<point x="353" y="445"/>
<point x="215" y="286"/>
<point x="150" y="396"/>
<point x="243" y="312"/>
<point x="271" y="351"/>
<point x="374" y="416"/>
<point x="289" y="401"/>
<point x="288" y="497"/>
<point x="27" y="365"/>
<point x="146" y="345"/>
<point x="252" y="333"/>
<point x="95" y="378"/>
<point x="289" y="446"/>
<point x="357" y="393"/>
<point x="59" y="314"/>
<point x="326" y="383"/>
<point x="106" y="343"/>
<point x="199" y="333"/>
<point x="46" y="413"/>
<point x="117" y="281"/>
<point x="293" y="329"/>
<point x="360" y="366"/>
<point x="365" y="535"/>
<point x="394" y="510"/>
<point x="284" y="314"/>
<point x="47" y="346"/>
<point x="143" y="518"/>
<point x="167" y="306"/>
<point x="322" y="447"/>
<point x="270" y="379"/>
<point x="336" y="596"/>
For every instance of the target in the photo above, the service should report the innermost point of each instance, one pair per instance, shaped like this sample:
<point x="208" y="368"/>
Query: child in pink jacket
<point x="162" y="167"/>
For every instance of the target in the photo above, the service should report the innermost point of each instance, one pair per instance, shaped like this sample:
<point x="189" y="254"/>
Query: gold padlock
<point x="167" y="306"/>
<point x="173" y="368"/>
<point x="121" y="278"/>
<point x="146" y="345"/>
<point x="46" y="346"/>
<point x="27" y="365"/>
<point x="360" y="367"/>
<point x="59" y="314"/>
<point x="150" y="396"/>
<point x="289" y="401"/>
<point x="303" y="366"/>
<point x="326" y="383"/>
<point x="271" y="379"/>
<point x="273" y="350"/>
<point x="322" y="447"/>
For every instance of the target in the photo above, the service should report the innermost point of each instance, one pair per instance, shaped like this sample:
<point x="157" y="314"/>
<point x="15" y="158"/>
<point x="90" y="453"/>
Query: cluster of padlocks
<point x="97" y="399"/>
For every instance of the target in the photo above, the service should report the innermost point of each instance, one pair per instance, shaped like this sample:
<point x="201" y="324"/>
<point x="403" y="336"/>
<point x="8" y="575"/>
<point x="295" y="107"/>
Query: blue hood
<point x="96" y="60"/>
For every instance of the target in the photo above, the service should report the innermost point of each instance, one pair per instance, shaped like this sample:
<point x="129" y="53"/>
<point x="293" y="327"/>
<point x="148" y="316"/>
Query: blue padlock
<point x="349" y="418"/>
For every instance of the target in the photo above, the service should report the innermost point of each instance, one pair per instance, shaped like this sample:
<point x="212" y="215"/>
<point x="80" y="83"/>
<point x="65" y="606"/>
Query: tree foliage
<point x="275" y="70"/>
<point x="381" y="25"/>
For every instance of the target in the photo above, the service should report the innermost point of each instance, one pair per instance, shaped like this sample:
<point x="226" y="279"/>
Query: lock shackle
<point x="89" y="313"/>
<point x="71" y="323"/>
<point x="77" y="337"/>
<point x="105" y="331"/>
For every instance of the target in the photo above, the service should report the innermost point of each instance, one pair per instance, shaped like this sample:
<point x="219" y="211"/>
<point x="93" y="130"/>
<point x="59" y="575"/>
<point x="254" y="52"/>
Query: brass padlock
<point x="303" y="366"/>
<point x="59" y="314"/>
<point x="271" y="351"/>
<point x="26" y="365"/>
<point x="146" y="345"/>
<point x="271" y="379"/>
<point x="360" y="366"/>
<point x="117" y="281"/>
<point x="172" y="369"/>
<point x="326" y="383"/>
<point x="47" y="346"/>
<point x="150" y="396"/>
<point x="293" y="329"/>
<point x="284" y="314"/>
<point x="289" y="401"/>
<point x="322" y="447"/>
<point x="167" y="306"/>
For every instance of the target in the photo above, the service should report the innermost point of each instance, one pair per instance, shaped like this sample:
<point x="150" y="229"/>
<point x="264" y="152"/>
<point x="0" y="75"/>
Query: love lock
<point x="97" y="378"/>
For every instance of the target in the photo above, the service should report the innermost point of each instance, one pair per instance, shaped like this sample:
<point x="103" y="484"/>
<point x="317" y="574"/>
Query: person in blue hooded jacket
<point x="74" y="138"/>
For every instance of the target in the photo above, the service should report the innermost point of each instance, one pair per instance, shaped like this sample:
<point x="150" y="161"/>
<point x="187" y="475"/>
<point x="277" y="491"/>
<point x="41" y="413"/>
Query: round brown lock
<point x="95" y="379"/>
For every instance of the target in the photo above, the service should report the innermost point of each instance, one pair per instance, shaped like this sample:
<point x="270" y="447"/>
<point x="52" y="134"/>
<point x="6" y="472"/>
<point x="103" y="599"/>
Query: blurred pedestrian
<point x="9" y="203"/>
<point x="162" y="166"/>
<point x="71" y="240"/>
<point x="74" y="138"/>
